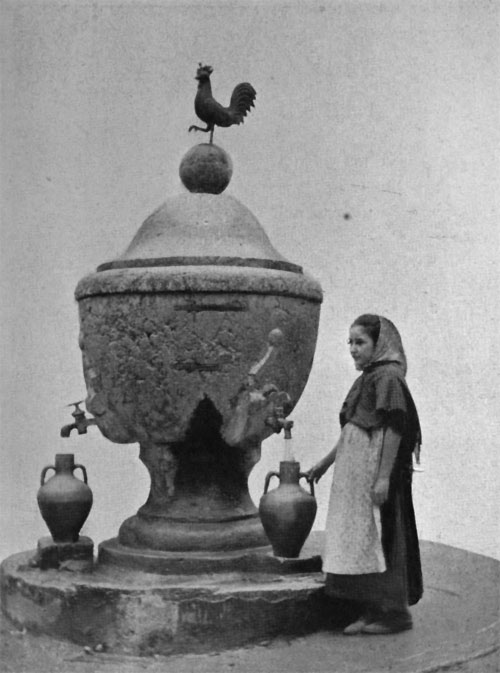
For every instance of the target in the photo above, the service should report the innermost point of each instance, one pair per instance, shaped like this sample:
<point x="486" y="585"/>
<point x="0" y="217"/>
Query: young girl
<point x="371" y="545"/>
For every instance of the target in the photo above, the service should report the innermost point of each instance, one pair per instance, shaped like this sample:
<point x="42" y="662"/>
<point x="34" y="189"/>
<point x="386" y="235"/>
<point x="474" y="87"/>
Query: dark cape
<point x="381" y="398"/>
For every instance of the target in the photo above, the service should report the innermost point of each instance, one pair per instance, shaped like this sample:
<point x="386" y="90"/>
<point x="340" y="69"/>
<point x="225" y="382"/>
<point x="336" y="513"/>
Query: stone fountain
<point x="197" y="342"/>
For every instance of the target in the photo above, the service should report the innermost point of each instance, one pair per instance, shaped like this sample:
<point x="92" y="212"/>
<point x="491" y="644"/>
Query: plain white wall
<point x="385" y="111"/>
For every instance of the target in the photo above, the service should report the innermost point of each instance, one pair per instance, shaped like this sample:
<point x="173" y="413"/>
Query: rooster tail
<point x="242" y="100"/>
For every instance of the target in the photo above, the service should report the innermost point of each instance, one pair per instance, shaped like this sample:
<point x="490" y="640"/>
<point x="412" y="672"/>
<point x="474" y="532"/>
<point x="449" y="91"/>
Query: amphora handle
<point x="84" y="472"/>
<point x="309" y="481"/>
<point x="44" y="472"/>
<point x="51" y="467"/>
<point x="268" y="479"/>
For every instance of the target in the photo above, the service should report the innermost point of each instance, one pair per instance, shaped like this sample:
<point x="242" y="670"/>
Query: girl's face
<point x="361" y="346"/>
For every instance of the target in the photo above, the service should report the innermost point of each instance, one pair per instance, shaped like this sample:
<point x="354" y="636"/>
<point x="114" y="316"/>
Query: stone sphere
<point x="206" y="168"/>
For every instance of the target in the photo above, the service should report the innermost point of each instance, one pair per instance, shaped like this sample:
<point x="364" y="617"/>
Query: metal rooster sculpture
<point x="213" y="113"/>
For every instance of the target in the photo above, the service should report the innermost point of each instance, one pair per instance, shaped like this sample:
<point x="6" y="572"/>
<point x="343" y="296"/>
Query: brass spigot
<point x="81" y="422"/>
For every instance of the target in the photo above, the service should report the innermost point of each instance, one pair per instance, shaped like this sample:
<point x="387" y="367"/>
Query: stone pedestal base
<point x="77" y="556"/>
<point x="162" y="534"/>
<point x="132" y="612"/>
<point x="253" y="560"/>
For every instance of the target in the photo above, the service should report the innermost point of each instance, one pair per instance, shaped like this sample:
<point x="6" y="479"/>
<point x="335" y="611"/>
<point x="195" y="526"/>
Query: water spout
<point x="81" y="422"/>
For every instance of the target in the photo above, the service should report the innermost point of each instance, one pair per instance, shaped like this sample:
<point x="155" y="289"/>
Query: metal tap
<point x="81" y="422"/>
<point x="277" y="419"/>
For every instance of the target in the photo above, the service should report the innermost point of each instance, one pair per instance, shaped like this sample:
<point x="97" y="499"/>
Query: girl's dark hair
<point x="371" y="324"/>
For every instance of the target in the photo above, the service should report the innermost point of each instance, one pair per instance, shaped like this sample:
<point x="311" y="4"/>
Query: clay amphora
<point x="64" y="500"/>
<point x="287" y="513"/>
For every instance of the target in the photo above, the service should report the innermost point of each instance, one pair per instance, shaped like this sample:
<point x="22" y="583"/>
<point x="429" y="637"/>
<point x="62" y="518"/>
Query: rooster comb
<point x="204" y="69"/>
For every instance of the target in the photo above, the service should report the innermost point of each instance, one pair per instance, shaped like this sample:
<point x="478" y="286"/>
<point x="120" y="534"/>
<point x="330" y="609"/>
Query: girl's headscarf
<point x="389" y="347"/>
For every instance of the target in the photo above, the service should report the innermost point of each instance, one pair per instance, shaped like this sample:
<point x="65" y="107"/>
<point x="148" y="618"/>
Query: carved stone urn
<point x="191" y="340"/>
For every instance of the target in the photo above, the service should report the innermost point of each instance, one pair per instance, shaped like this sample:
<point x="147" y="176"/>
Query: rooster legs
<point x="210" y="127"/>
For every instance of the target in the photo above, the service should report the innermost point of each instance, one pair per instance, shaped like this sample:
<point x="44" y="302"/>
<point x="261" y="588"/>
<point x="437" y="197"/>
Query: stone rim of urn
<point x="190" y="340"/>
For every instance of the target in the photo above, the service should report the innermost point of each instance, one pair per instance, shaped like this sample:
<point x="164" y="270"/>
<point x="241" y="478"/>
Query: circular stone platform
<point x="231" y="600"/>
<point x="455" y="624"/>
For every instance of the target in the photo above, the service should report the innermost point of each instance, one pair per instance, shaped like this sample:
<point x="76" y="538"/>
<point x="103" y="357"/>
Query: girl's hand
<point x="380" y="491"/>
<point x="316" y="472"/>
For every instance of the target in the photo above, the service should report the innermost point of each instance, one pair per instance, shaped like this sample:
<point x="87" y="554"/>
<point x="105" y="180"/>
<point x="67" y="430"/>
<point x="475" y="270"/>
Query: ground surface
<point x="456" y="629"/>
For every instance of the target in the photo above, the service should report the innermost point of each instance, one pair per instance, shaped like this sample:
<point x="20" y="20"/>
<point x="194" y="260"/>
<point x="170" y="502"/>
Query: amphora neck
<point x="65" y="462"/>
<point x="289" y="472"/>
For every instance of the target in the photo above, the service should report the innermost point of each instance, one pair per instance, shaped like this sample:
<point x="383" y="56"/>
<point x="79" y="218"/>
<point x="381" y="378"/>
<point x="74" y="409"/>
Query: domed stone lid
<point x="203" y="226"/>
<point x="203" y="229"/>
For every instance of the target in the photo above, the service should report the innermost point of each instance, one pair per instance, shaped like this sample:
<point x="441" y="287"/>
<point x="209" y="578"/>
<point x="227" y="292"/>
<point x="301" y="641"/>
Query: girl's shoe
<point x="356" y="627"/>
<point x="394" y="624"/>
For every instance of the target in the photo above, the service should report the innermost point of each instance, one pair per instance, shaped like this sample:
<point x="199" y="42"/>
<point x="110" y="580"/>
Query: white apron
<point x="353" y="544"/>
